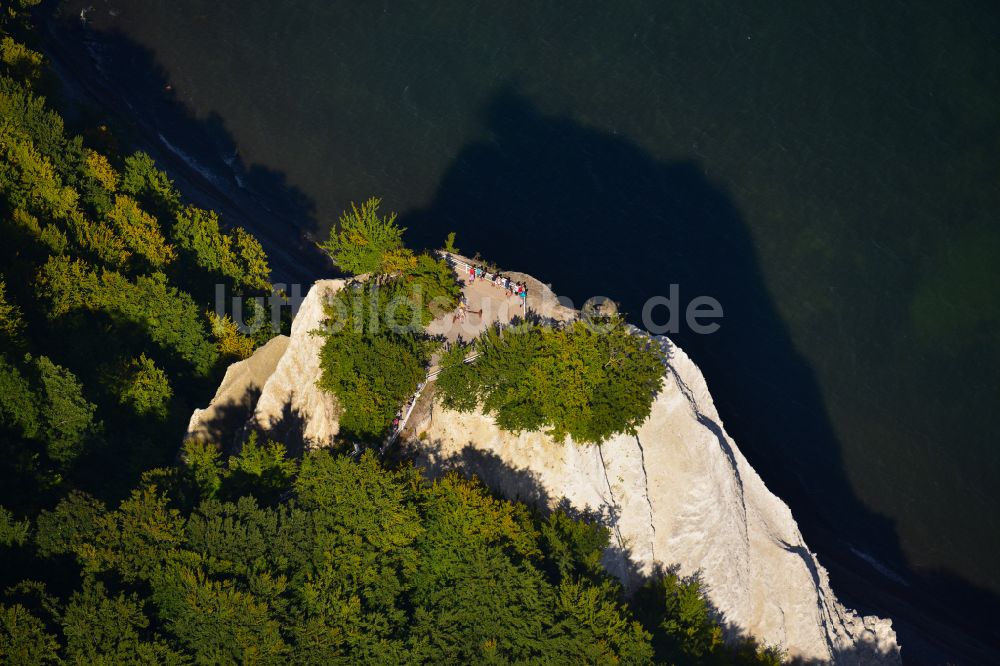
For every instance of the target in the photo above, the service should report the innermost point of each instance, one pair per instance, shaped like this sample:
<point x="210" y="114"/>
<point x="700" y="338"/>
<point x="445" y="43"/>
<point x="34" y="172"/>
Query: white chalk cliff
<point x="680" y="492"/>
<point x="274" y="391"/>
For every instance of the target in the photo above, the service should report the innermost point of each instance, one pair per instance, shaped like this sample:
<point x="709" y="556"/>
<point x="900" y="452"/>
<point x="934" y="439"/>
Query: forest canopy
<point x="106" y="281"/>
<point x="336" y="560"/>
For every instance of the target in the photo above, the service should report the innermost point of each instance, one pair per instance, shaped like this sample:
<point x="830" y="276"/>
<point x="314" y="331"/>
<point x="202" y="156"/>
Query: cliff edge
<point x="679" y="493"/>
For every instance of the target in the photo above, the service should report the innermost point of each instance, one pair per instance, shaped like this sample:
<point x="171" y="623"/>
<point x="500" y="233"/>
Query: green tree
<point x="29" y="180"/>
<point x="262" y="471"/>
<point x="143" y="180"/>
<point x="254" y="271"/>
<point x="135" y="540"/>
<point x="75" y="520"/>
<point x="238" y="257"/>
<point x="363" y="563"/>
<point x="141" y="232"/>
<point x="27" y="115"/>
<point x="144" y="388"/>
<point x="362" y="550"/>
<point x="456" y="387"/>
<point x="430" y="287"/>
<point x="232" y="345"/>
<point x="216" y="621"/>
<point x="98" y="168"/>
<point x="371" y="377"/>
<point x="97" y="240"/>
<point x="20" y="61"/>
<point x="50" y="236"/>
<point x="198" y="232"/>
<point x="574" y="547"/>
<point x="685" y="629"/>
<point x="67" y="417"/>
<point x="103" y="629"/>
<point x="597" y="628"/>
<point x="23" y="638"/>
<point x="18" y="403"/>
<point x="363" y="242"/>
<point x="501" y="378"/>
<point x="201" y="460"/>
<point x="12" y="531"/>
<point x="687" y="623"/>
<point x="473" y="542"/>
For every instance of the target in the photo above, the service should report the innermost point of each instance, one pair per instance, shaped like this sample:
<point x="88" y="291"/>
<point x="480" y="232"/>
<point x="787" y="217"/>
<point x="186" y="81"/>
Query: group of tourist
<point x="512" y="288"/>
<point x="473" y="273"/>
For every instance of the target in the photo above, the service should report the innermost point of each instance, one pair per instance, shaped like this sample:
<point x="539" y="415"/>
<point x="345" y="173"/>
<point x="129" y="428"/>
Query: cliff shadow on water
<point x="109" y="80"/>
<point x="593" y="214"/>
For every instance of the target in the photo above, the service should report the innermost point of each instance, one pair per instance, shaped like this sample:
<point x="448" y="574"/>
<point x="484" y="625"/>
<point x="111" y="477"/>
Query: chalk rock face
<point x="275" y="389"/>
<point x="224" y="419"/>
<point x="291" y="408"/>
<point x="680" y="492"/>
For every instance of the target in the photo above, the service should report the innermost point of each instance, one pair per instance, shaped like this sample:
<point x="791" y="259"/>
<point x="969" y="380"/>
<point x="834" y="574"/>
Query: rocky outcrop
<point x="291" y="408"/>
<point x="679" y="493"/>
<point x="223" y="420"/>
<point x="274" y="391"/>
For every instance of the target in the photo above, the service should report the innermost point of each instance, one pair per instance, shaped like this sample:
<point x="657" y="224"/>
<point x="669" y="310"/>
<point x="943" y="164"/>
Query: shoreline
<point x="298" y="262"/>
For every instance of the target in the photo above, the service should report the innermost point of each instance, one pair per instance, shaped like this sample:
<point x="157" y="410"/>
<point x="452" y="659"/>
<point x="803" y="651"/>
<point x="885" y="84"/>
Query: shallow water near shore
<point x="829" y="173"/>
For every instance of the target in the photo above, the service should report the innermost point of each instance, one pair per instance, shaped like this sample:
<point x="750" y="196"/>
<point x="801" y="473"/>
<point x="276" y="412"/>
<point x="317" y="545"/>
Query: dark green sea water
<point x="829" y="171"/>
